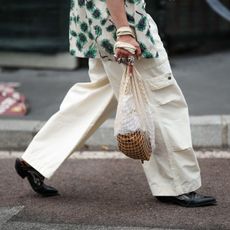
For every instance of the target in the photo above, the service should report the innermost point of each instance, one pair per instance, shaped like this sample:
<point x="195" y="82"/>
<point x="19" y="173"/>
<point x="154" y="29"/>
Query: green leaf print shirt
<point x="92" y="33"/>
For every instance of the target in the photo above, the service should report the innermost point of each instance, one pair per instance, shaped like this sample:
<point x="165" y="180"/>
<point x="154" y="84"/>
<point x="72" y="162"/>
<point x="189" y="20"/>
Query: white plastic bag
<point x="134" y="123"/>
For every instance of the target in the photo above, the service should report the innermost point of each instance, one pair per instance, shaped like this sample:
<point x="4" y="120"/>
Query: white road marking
<point x="6" y="213"/>
<point x="51" y="226"/>
<point x="116" y="155"/>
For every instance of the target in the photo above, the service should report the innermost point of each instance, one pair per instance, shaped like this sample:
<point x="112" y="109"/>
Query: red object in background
<point x="12" y="103"/>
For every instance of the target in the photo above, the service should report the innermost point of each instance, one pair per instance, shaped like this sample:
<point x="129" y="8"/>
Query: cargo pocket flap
<point x="161" y="81"/>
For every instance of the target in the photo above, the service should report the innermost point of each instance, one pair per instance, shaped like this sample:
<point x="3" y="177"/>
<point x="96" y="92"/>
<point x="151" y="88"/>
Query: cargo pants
<point x="173" y="168"/>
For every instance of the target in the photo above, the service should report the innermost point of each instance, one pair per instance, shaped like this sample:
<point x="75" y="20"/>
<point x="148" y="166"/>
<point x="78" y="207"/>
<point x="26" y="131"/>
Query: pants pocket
<point x="164" y="89"/>
<point x="172" y="111"/>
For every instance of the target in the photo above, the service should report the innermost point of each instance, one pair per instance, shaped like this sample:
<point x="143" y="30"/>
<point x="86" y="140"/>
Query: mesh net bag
<point x="134" y="125"/>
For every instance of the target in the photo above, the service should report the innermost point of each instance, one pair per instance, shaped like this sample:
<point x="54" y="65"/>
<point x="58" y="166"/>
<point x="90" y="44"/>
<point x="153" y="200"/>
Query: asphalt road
<point x="109" y="194"/>
<point x="204" y="80"/>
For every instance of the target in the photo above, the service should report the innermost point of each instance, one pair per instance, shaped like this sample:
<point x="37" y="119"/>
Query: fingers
<point x="122" y="53"/>
<point x="138" y="51"/>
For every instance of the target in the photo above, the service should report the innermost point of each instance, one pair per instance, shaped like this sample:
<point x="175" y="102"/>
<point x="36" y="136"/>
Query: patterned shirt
<point x="92" y="32"/>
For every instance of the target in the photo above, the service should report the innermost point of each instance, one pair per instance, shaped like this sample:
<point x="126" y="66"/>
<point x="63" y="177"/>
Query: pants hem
<point x="33" y="165"/>
<point x="176" y="191"/>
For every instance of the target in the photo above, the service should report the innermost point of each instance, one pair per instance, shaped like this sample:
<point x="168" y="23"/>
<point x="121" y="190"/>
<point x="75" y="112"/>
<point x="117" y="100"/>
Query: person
<point x="96" y="29"/>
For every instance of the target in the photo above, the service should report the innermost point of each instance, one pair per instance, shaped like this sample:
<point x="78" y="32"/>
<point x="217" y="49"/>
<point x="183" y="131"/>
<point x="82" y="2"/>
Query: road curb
<point x="212" y="131"/>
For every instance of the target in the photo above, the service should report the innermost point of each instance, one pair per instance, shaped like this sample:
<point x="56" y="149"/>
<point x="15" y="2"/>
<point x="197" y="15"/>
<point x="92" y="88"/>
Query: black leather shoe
<point x="191" y="199"/>
<point x="35" y="179"/>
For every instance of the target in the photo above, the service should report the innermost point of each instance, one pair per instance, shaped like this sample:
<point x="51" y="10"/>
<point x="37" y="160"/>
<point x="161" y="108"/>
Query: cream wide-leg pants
<point x="173" y="168"/>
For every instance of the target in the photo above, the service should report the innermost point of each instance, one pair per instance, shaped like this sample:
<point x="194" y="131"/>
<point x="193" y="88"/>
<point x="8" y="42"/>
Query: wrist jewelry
<point x="125" y="30"/>
<point x="124" y="45"/>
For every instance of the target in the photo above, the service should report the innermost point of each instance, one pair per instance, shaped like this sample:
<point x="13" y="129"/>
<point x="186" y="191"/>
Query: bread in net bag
<point x="134" y="123"/>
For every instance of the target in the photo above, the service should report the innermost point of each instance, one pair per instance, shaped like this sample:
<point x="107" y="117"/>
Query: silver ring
<point x="128" y="61"/>
<point x="131" y="60"/>
<point x="124" y="60"/>
<point x="119" y="60"/>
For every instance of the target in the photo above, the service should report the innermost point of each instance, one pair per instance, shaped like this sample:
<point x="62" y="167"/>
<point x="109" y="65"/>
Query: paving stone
<point x="16" y="134"/>
<point x="226" y="129"/>
<point x="206" y="131"/>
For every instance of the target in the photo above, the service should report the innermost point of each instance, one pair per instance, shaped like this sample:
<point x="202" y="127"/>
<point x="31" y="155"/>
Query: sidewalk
<point x="207" y="131"/>
<point x="204" y="81"/>
<point x="110" y="194"/>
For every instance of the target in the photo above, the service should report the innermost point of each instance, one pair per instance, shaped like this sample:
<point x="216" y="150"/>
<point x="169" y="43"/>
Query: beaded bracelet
<point x="124" y="45"/>
<point x="125" y="30"/>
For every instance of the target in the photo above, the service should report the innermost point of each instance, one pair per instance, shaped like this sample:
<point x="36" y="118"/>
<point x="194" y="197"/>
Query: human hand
<point x="125" y="54"/>
<point x="122" y="53"/>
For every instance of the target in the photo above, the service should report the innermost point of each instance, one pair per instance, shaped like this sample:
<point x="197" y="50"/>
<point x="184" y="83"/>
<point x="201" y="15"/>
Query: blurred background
<point x="34" y="52"/>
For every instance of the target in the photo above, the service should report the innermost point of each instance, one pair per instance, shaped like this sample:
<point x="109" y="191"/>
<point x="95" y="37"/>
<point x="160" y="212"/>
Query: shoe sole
<point x="199" y="205"/>
<point x="189" y="205"/>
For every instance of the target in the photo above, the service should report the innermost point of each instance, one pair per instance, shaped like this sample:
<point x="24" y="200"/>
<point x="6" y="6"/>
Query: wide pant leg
<point x="85" y="107"/>
<point x="173" y="168"/>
